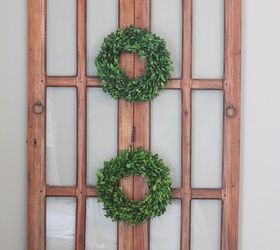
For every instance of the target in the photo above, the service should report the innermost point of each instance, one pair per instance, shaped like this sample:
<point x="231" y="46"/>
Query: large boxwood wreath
<point x="137" y="162"/>
<point x="148" y="46"/>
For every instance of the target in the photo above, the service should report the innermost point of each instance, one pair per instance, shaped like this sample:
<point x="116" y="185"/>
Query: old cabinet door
<point x="74" y="126"/>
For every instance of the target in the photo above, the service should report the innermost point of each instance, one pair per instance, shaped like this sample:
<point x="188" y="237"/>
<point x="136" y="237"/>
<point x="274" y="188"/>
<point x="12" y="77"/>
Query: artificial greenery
<point x="149" y="47"/>
<point x="137" y="162"/>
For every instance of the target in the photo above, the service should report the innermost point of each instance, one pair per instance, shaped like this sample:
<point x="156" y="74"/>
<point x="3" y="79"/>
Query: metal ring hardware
<point x="38" y="108"/>
<point x="231" y="111"/>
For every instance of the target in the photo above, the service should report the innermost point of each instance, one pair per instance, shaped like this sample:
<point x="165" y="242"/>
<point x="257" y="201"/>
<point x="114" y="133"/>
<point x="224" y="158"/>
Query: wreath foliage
<point x="137" y="162"/>
<point x="148" y="46"/>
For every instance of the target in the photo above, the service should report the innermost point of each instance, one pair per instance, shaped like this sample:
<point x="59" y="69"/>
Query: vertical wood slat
<point x="186" y="121"/>
<point x="142" y="125"/>
<point x="231" y="155"/>
<point x="36" y="125"/>
<point x="81" y="85"/>
<point x="126" y="18"/>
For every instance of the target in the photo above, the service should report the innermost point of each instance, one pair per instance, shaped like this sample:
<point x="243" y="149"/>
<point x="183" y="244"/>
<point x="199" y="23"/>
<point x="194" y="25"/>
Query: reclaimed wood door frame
<point x="133" y="119"/>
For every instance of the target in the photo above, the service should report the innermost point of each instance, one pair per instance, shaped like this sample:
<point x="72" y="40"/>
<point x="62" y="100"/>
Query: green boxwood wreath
<point x="137" y="162"/>
<point x="148" y="46"/>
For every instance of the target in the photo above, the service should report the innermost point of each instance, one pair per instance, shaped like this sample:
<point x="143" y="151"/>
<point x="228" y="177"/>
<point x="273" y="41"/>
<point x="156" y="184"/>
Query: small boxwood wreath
<point x="148" y="46"/>
<point x="137" y="162"/>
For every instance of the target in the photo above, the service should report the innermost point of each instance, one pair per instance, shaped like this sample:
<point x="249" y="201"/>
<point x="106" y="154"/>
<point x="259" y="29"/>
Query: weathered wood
<point x="206" y="193"/>
<point x="61" y="81"/>
<point x="36" y="125"/>
<point x="142" y="126"/>
<point x="207" y="84"/>
<point x="231" y="146"/>
<point x="174" y="84"/>
<point x="81" y="144"/>
<point x="60" y="191"/>
<point x="91" y="192"/>
<point x="81" y="188"/>
<point x="186" y="121"/>
<point x="176" y="193"/>
<point x="93" y="82"/>
<point x="126" y="18"/>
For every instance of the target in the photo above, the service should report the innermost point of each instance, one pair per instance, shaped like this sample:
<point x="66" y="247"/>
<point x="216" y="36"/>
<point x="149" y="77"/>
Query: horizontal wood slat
<point x="174" y="84"/>
<point x="90" y="191"/>
<point x="93" y="82"/>
<point x="200" y="193"/>
<point x="206" y="84"/>
<point x="70" y="81"/>
<point x="60" y="191"/>
<point x="176" y="193"/>
<point x="61" y="81"/>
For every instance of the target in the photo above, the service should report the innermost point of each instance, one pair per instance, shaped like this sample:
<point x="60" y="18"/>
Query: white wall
<point x="13" y="124"/>
<point x="260" y="164"/>
<point x="260" y="167"/>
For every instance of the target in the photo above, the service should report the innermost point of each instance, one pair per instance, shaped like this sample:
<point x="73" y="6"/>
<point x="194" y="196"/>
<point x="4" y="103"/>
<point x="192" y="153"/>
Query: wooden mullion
<point x="176" y="193"/>
<point x="91" y="192"/>
<point x="61" y="81"/>
<point x="69" y="191"/>
<point x="207" y="84"/>
<point x="231" y="146"/>
<point x="36" y="124"/>
<point x="142" y="126"/>
<point x="174" y="84"/>
<point x="81" y="39"/>
<point x="186" y="121"/>
<point x="81" y="85"/>
<point x="206" y="193"/>
<point x="93" y="82"/>
<point x="125" y="115"/>
<point x="81" y="187"/>
<point x="60" y="190"/>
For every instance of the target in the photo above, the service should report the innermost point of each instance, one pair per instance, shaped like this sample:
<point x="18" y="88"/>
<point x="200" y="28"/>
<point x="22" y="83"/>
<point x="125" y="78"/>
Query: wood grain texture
<point x="91" y="192"/>
<point x="126" y="18"/>
<point x="93" y="82"/>
<point x="207" y="84"/>
<point x="61" y="81"/>
<point x="231" y="156"/>
<point x="142" y="125"/>
<point x="196" y="193"/>
<point x="81" y="130"/>
<point x="70" y="81"/>
<point x="36" y="125"/>
<point x="206" y="193"/>
<point x="186" y="121"/>
<point x="174" y="84"/>
<point x="176" y="193"/>
<point x="60" y="191"/>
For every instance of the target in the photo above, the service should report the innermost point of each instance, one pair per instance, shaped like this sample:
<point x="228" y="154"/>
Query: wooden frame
<point x="132" y="118"/>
